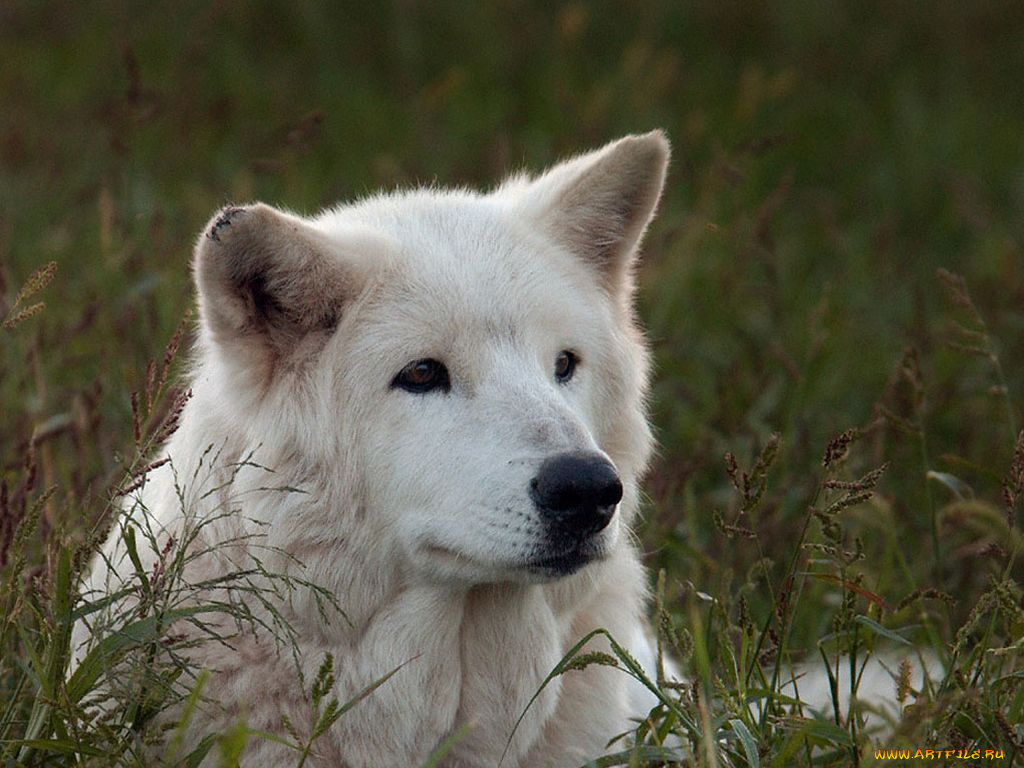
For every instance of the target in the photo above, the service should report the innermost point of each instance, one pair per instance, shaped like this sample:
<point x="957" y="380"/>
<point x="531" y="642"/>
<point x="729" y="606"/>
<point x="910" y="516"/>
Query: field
<point x="834" y="286"/>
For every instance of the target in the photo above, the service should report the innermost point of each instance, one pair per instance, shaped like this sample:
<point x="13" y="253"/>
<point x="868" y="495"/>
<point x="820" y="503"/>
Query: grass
<point x="830" y="160"/>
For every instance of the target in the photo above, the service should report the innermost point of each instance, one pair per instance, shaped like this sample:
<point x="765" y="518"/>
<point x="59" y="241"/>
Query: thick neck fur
<point x="467" y="654"/>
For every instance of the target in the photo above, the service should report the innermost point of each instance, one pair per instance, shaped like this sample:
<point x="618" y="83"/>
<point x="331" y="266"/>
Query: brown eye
<point x="565" y="366"/>
<point x="422" y="376"/>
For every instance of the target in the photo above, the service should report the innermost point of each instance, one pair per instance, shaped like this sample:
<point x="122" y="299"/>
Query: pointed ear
<point x="267" y="280"/>
<point x="599" y="204"/>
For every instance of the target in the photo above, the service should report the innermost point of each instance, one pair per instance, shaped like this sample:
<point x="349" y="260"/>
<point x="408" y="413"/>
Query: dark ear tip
<point x="223" y="219"/>
<point x="219" y="242"/>
<point x="230" y="216"/>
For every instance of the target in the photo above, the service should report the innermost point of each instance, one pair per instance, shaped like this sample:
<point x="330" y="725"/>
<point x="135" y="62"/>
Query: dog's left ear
<point x="599" y="204"/>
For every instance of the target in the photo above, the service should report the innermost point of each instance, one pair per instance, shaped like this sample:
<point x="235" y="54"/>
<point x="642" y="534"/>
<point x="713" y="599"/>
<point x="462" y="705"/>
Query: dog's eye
<point x="423" y="376"/>
<point x="565" y="366"/>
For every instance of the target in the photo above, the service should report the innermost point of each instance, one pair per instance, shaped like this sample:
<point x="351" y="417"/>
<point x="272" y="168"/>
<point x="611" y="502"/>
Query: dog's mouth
<point x="567" y="559"/>
<point x="552" y="562"/>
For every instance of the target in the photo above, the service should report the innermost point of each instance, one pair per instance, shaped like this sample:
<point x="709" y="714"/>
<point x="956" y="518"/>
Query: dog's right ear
<point x="599" y="204"/>
<point x="267" y="281"/>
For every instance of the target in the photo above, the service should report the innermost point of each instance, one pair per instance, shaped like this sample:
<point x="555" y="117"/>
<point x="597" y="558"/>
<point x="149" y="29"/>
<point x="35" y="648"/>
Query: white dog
<point x="456" y="382"/>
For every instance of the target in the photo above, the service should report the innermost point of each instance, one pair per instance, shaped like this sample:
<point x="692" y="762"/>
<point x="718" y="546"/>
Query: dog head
<point x="464" y="371"/>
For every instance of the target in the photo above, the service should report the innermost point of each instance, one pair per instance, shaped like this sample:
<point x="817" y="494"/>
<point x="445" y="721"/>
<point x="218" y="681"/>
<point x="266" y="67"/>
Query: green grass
<point x="829" y="160"/>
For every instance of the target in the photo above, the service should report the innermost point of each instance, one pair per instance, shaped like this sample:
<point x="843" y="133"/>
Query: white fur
<point x="415" y="512"/>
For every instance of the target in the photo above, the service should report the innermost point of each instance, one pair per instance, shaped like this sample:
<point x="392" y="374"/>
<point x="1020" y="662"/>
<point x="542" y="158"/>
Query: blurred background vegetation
<point x="828" y="158"/>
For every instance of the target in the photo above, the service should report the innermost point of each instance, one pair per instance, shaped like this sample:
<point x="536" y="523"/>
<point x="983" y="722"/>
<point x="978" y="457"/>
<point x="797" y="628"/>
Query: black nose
<point x="577" y="492"/>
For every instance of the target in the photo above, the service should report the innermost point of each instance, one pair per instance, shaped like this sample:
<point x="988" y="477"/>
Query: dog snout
<point x="576" y="492"/>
